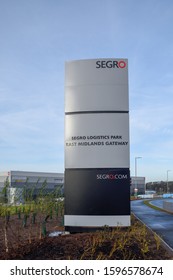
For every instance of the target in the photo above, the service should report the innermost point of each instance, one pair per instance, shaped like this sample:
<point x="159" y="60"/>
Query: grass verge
<point x="147" y="202"/>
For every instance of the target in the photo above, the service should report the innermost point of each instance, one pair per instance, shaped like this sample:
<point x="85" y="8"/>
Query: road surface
<point x="160" y="222"/>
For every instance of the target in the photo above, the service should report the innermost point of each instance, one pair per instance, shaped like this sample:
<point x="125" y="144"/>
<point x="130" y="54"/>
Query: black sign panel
<point x="97" y="191"/>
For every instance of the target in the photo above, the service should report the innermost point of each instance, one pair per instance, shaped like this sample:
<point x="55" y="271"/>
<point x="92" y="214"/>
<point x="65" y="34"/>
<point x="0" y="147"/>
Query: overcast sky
<point x="38" y="36"/>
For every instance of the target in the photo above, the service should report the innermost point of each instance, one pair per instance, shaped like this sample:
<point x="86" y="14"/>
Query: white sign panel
<point x="96" y="84"/>
<point x="97" y="140"/>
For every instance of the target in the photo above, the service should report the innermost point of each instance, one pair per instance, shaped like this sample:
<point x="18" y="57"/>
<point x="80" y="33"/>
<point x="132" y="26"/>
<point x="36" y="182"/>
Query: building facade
<point x="18" y="181"/>
<point x="137" y="185"/>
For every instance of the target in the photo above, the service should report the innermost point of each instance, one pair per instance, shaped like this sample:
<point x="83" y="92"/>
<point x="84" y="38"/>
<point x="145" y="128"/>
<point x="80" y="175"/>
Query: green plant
<point x="7" y="216"/>
<point x="157" y="239"/>
<point x="43" y="228"/>
<point x="25" y="218"/>
<point x="19" y="214"/>
<point x="4" y="192"/>
<point x="34" y="217"/>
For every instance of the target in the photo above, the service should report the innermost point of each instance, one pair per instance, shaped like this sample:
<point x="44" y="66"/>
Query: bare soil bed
<point x="29" y="243"/>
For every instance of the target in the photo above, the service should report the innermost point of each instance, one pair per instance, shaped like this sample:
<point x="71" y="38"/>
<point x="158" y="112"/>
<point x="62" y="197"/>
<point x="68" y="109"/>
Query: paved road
<point x="159" y="202"/>
<point x="160" y="222"/>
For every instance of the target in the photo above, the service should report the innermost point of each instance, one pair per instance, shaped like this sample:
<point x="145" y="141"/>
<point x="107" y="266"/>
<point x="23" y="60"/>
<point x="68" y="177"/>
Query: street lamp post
<point x="136" y="184"/>
<point x="136" y="158"/>
<point x="167" y="181"/>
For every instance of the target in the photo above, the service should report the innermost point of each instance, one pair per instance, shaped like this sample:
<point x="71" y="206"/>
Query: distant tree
<point x="5" y="190"/>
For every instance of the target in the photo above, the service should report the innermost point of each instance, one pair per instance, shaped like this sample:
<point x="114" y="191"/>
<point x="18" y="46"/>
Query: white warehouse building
<point x="20" y="180"/>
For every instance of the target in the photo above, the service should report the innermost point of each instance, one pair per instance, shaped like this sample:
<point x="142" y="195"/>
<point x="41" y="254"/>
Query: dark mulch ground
<point x="28" y="243"/>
